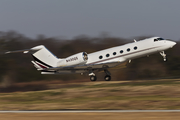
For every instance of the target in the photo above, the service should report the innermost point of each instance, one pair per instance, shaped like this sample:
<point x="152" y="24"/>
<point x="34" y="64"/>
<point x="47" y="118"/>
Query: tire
<point x="93" y="78"/>
<point x="107" y="78"/>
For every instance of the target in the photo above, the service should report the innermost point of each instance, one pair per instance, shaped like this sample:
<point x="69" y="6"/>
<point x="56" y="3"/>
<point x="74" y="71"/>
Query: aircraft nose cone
<point x="172" y="43"/>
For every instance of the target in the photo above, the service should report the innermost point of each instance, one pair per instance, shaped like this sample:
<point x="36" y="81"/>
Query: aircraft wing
<point x="85" y="67"/>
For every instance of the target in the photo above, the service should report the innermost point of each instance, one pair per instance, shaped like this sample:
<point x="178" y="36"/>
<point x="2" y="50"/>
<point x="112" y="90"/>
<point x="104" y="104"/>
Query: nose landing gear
<point x="162" y="53"/>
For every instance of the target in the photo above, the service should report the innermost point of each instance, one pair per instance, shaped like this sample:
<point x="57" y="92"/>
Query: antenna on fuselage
<point x="135" y="40"/>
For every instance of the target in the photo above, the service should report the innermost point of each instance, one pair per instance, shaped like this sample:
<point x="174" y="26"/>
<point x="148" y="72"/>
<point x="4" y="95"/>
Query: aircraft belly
<point x="141" y="53"/>
<point x="65" y="72"/>
<point x="105" y="65"/>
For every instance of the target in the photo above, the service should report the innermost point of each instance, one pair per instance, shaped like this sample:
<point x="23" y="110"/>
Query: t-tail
<point x="43" y="58"/>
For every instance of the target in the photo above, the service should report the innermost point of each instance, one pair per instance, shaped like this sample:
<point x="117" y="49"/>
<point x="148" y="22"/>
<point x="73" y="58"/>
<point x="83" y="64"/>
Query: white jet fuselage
<point x="82" y="62"/>
<point x="130" y="51"/>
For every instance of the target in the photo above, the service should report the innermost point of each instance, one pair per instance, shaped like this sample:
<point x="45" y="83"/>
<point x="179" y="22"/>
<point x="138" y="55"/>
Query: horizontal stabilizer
<point x="26" y="50"/>
<point x="17" y="51"/>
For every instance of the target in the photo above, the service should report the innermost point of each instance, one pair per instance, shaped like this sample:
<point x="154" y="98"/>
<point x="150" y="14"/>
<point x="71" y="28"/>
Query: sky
<point x="71" y="18"/>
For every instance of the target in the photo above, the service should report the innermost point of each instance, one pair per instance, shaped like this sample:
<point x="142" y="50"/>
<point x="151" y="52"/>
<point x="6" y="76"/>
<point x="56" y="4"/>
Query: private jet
<point x="102" y="60"/>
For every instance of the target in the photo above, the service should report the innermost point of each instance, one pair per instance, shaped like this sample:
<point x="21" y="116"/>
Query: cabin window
<point x="114" y="53"/>
<point x="128" y="49"/>
<point x="100" y="57"/>
<point x="135" y="48"/>
<point x="121" y="51"/>
<point x="107" y="55"/>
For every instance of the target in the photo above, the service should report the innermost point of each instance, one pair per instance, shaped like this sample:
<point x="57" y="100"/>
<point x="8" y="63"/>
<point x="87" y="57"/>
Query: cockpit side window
<point x="155" y="40"/>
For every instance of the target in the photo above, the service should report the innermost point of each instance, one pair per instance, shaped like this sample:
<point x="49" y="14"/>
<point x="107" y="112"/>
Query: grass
<point x="136" y="83"/>
<point x="151" y="94"/>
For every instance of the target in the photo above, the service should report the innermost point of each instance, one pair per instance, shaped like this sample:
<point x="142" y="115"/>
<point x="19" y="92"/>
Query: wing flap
<point x="85" y="67"/>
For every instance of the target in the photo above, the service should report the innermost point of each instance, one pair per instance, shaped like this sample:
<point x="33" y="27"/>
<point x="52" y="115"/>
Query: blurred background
<point x="145" y="83"/>
<point x="68" y="27"/>
<point x="17" y="67"/>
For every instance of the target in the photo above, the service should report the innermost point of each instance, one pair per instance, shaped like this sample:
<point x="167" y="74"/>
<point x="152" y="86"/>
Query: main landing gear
<point x="108" y="75"/>
<point x="92" y="76"/>
<point x="106" y="78"/>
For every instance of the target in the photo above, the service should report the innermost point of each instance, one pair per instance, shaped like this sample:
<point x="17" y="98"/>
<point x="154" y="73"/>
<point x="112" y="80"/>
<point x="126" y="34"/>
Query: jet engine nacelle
<point x="77" y="59"/>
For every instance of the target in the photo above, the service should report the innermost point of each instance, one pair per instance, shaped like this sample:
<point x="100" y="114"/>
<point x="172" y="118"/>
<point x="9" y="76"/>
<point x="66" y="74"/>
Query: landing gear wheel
<point x="93" y="78"/>
<point x="107" y="78"/>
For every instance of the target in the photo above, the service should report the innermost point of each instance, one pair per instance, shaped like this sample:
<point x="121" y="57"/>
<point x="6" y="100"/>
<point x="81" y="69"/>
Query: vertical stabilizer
<point x="43" y="58"/>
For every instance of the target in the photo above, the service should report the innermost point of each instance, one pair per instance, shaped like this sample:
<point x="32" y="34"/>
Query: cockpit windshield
<point x="158" y="39"/>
